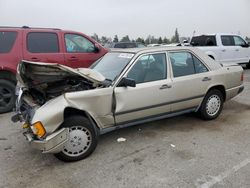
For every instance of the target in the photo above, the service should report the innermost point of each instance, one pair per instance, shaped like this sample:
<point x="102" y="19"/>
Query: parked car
<point x="41" y="44"/>
<point x="224" y="48"/>
<point x="64" y="110"/>
<point x="153" y="45"/>
<point x="125" y="45"/>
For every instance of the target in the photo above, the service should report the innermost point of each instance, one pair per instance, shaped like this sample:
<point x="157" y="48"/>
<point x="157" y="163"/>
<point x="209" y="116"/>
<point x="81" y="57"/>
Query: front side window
<point x="238" y="41"/>
<point x="77" y="43"/>
<point x="7" y="40"/>
<point x="184" y="63"/>
<point x="151" y="67"/>
<point x="227" y="40"/>
<point x="41" y="42"/>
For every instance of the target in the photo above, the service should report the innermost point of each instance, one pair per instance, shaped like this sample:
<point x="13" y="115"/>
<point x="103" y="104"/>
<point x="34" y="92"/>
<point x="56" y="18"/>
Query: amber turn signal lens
<point x="38" y="129"/>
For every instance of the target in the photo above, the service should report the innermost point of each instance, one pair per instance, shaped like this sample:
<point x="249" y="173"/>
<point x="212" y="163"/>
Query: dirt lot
<point x="178" y="152"/>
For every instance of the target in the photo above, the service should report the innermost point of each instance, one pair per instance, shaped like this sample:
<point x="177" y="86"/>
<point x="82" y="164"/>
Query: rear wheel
<point x="82" y="139"/>
<point x="7" y="95"/>
<point x="212" y="105"/>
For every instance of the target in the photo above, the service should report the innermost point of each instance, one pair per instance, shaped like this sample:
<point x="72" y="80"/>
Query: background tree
<point x="141" y="40"/>
<point x="176" y="37"/>
<point x="104" y="40"/>
<point x="247" y="39"/>
<point x="116" y="39"/>
<point x="166" y="40"/>
<point x="160" y="40"/>
<point x="95" y="37"/>
<point x="125" y="39"/>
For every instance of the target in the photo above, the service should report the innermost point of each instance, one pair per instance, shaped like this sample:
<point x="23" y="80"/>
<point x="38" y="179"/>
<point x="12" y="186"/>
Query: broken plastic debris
<point x="172" y="145"/>
<point x="121" y="139"/>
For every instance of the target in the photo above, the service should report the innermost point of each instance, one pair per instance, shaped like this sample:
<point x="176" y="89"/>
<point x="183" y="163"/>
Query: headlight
<point x="38" y="129"/>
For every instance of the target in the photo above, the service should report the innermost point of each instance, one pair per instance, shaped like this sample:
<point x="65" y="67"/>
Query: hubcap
<point x="80" y="139"/>
<point x="5" y="97"/>
<point x="213" y="105"/>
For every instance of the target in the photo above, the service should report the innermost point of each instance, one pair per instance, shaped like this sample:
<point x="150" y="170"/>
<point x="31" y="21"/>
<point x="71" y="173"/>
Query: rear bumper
<point x="240" y="89"/>
<point x="232" y="92"/>
<point x="52" y="143"/>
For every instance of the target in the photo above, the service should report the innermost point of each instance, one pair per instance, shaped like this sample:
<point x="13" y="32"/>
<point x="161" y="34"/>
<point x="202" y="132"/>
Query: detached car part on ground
<point x="64" y="110"/>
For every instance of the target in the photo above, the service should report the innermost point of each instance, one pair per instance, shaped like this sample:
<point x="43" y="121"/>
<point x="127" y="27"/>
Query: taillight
<point x="242" y="77"/>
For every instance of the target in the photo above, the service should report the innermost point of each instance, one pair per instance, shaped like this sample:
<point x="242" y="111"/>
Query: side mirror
<point x="96" y="48"/>
<point x="246" y="45"/>
<point x="127" y="82"/>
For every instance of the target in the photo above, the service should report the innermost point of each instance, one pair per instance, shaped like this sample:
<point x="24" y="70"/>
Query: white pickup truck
<point x="224" y="48"/>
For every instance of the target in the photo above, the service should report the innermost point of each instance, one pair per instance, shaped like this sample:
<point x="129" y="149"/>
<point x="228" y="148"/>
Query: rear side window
<point x="184" y="63"/>
<point x="7" y="40"/>
<point x="39" y="42"/>
<point x="227" y="40"/>
<point x="204" y="40"/>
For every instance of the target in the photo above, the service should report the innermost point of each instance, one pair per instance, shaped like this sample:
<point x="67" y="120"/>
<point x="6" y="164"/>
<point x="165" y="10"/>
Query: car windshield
<point x="112" y="64"/>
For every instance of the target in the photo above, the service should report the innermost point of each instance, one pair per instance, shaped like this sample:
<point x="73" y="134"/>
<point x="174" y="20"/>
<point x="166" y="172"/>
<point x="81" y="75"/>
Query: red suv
<point x="70" y="48"/>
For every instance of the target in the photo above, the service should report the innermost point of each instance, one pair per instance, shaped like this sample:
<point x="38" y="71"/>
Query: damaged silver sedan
<point x="64" y="110"/>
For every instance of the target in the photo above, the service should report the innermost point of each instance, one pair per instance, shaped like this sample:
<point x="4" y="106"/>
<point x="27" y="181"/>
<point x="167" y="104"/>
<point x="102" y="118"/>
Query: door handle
<point x="223" y="50"/>
<point x="165" y="86"/>
<point x="35" y="59"/>
<point x="206" y="79"/>
<point x="73" y="58"/>
<point x="237" y="50"/>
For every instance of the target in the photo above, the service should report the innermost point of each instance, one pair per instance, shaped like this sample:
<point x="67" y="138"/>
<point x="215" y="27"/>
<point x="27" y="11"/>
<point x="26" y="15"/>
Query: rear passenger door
<point x="42" y="46"/>
<point x="191" y="79"/>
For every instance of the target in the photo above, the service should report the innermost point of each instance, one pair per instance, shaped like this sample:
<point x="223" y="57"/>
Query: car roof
<point x="151" y="49"/>
<point x="214" y="34"/>
<point x="138" y="51"/>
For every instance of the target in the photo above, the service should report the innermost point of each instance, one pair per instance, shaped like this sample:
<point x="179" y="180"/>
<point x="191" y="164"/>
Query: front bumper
<point x="51" y="144"/>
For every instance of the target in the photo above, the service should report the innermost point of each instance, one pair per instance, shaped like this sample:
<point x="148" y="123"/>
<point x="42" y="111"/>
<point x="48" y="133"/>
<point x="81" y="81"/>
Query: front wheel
<point x="82" y="139"/>
<point x="7" y="96"/>
<point x="212" y="105"/>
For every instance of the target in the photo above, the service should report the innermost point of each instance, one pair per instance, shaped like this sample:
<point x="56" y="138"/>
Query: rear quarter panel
<point x="230" y="78"/>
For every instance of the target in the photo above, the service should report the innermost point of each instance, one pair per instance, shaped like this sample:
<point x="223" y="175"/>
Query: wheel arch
<point x="8" y="75"/>
<point x="70" y="111"/>
<point x="221" y="88"/>
<point x="212" y="55"/>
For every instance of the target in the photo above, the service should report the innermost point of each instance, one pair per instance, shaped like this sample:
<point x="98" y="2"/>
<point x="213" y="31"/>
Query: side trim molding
<point x="147" y="119"/>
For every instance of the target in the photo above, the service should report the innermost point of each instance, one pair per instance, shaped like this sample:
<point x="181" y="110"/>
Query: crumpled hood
<point x="44" y="72"/>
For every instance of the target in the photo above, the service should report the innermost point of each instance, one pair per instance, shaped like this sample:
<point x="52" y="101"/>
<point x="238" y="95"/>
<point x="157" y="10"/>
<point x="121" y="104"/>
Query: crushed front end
<point x="40" y="84"/>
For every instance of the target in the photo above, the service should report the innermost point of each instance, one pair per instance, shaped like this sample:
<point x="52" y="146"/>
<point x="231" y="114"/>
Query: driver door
<point x="151" y="95"/>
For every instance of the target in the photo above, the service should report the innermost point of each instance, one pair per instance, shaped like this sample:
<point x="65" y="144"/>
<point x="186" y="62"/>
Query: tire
<point x="82" y="139"/>
<point x="248" y="65"/>
<point x="7" y="95"/>
<point x="211" y="105"/>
